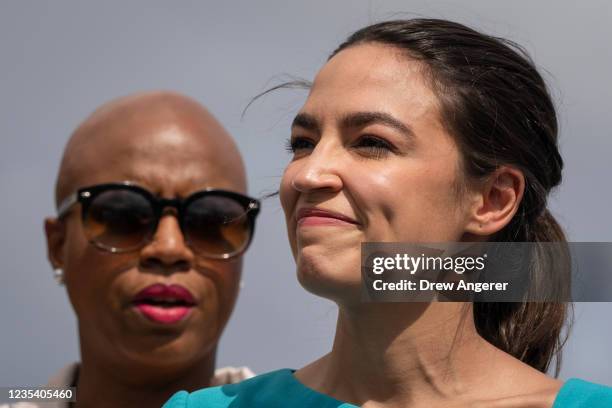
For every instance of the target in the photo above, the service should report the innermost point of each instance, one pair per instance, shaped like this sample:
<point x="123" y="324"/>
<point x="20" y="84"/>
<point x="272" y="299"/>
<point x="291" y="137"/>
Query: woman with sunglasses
<point x="420" y="131"/>
<point x="152" y="222"/>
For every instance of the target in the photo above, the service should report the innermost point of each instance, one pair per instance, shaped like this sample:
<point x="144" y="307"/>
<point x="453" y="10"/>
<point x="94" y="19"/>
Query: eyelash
<point x="375" y="146"/>
<point x="370" y="146"/>
<point x="294" y="144"/>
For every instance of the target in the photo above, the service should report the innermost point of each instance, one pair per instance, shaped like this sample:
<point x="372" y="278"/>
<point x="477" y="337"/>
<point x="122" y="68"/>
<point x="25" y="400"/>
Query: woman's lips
<point x="164" y="315"/>
<point x="318" y="216"/>
<point x="165" y="304"/>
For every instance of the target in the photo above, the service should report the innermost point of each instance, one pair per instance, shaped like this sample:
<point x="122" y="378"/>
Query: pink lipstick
<point x="165" y="304"/>
<point x="317" y="216"/>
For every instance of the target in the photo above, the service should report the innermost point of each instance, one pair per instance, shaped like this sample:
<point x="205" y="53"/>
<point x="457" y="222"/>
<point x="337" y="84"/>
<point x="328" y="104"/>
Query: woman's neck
<point x="403" y="355"/>
<point x="99" y="385"/>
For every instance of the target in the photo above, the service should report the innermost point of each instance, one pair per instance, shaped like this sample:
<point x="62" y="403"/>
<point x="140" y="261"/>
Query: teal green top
<point x="577" y="393"/>
<point x="280" y="389"/>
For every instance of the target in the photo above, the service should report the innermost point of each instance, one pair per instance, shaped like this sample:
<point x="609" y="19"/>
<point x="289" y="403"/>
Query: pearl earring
<point x="58" y="275"/>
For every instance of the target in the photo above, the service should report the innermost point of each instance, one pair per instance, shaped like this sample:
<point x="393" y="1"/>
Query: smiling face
<point x="172" y="147"/>
<point x="372" y="162"/>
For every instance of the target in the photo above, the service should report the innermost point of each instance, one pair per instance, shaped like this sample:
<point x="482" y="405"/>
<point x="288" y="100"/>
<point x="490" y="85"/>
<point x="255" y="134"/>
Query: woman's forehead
<point x="371" y="77"/>
<point x="169" y="160"/>
<point x="151" y="133"/>
<point x="371" y="63"/>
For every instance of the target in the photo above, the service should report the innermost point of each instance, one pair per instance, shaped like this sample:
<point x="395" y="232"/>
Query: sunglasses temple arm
<point x="65" y="205"/>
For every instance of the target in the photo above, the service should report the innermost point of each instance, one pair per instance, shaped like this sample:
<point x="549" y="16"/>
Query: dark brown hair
<point x="498" y="108"/>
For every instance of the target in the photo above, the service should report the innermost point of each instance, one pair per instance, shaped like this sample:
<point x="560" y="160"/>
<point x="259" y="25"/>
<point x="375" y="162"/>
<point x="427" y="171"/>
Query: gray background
<point x="60" y="59"/>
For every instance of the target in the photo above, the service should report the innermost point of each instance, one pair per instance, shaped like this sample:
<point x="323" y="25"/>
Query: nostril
<point x="181" y="266"/>
<point x="156" y="264"/>
<point x="149" y="263"/>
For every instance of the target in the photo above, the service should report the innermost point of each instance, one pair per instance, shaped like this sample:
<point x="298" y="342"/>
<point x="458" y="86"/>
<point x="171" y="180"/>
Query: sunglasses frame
<point x="86" y="195"/>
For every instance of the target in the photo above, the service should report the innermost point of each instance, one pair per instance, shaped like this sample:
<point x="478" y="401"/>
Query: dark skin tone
<point x="172" y="146"/>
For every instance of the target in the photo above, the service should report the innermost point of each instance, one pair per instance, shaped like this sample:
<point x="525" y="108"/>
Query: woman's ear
<point x="56" y="234"/>
<point x="496" y="201"/>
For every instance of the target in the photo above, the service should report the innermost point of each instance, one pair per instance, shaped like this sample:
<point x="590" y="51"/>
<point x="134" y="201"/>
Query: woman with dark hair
<point x="421" y="131"/>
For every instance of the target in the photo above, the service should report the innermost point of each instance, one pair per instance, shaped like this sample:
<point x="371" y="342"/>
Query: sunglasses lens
<point x="217" y="225"/>
<point x="119" y="219"/>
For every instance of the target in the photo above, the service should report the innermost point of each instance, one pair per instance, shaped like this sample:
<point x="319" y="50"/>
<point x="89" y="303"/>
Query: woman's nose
<point x="168" y="249"/>
<point x="319" y="171"/>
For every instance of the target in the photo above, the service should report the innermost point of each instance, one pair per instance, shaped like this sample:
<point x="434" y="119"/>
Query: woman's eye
<point x="374" y="146"/>
<point x="299" y="144"/>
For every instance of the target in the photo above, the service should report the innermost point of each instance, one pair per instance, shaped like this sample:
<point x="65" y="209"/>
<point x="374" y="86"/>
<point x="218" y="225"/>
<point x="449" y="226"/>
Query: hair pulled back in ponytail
<point x="498" y="108"/>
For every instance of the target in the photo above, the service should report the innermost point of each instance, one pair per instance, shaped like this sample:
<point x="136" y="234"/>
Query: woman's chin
<point x="331" y="273"/>
<point x="164" y="351"/>
<point x="335" y="284"/>
<point x="168" y="359"/>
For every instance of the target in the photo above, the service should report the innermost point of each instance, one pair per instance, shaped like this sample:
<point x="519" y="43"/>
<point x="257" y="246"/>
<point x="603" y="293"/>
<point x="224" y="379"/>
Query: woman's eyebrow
<point x="306" y="121"/>
<point x="361" y="119"/>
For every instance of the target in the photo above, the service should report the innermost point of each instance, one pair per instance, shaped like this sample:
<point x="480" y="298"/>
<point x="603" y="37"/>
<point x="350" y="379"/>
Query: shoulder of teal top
<point x="271" y="390"/>
<point x="576" y="393"/>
